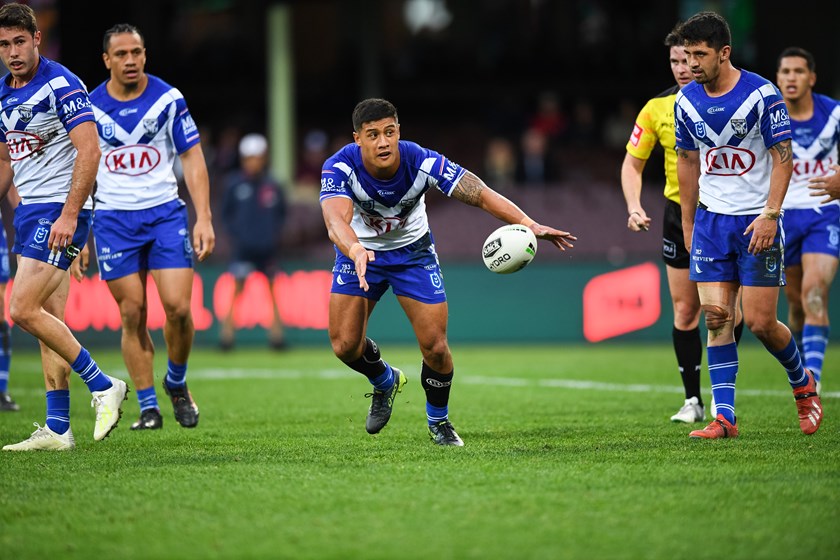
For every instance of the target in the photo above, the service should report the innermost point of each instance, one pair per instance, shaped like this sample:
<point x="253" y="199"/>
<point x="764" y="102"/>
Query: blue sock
<point x="385" y="380"/>
<point x="814" y="343"/>
<point x="436" y="414"/>
<point x="792" y="362"/>
<point x="723" y="371"/>
<point x="797" y="338"/>
<point x="58" y="410"/>
<point x="90" y="372"/>
<point x="147" y="398"/>
<point x="176" y="374"/>
<point x="5" y="355"/>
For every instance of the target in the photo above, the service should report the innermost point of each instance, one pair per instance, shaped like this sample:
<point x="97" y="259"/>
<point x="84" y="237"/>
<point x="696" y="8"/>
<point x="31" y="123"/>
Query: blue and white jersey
<point x="815" y="144"/>
<point x="140" y="140"/>
<point x="733" y="133"/>
<point x="389" y="214"/>
<point x="35" y="122"/>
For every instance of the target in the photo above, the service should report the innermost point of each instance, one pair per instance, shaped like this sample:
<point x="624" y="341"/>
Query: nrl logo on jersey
<point x="108" y="130"/>
<point x="150" y="126"/>
<point x="739" y="126"/>
<point x="700" y="129"/>
<point x="25" y="113"/>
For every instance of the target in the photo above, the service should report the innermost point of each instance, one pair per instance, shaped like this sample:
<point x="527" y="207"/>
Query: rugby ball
<point x="509" y="248"/>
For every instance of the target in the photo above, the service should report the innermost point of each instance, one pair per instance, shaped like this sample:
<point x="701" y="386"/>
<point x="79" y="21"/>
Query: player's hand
<point x="361" y="257"/>
<point x="763" y="231"/>
<point x="204" y="239"/>
<point x="80" y="264"/>
<point x="61" y="233"/>
<point x="638" y="220"/>
<point x="560" y="239"/>
<point x="827" y="185"/>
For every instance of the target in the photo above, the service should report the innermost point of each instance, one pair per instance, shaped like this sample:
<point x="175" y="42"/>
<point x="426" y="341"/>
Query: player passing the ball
<point x="372" y="198"/>
<point x="734" y="164"/>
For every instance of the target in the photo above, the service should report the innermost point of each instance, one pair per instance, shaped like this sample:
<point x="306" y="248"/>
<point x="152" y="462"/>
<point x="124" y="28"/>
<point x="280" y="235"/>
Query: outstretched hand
<point x="361" y="257"/>
<point x="827" y="185"/>
<point x="561" y="239"/>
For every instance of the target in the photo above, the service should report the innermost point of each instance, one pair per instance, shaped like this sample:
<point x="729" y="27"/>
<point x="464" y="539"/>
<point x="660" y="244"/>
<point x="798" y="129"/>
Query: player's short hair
<point x="18" y="16"/>
<point x="672" y="39"/>
<point x="708" y="27"/>
<point x="118" y="29"/>
<point x="801" y="53"/>
<point x="371" y="110"/>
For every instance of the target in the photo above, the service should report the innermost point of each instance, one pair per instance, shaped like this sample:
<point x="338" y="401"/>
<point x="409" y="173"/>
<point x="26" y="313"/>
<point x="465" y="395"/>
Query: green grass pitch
<point x="569" y="454"/>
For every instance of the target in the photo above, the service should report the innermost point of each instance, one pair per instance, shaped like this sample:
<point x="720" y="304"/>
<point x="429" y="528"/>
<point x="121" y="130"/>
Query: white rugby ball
<point x="509" y="248"/>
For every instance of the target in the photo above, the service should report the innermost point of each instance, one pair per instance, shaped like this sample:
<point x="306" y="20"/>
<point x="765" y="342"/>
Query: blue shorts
<point x="32" y="232"/>
<point x="412" y="271"/>
<point x="4" y="257"/>
<point x="719" y="252"/>
<point x="128" y="241"/>
<point x="814" y="230"/>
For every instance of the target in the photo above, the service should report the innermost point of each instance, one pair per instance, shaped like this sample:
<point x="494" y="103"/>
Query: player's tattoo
<point x="785" y="153"/>
<point x="468" y="189"/>
<point x="682" y="153"/>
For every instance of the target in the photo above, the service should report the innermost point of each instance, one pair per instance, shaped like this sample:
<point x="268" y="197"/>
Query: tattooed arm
<point x="765" y="226"/>
<point x="472" y="190"/>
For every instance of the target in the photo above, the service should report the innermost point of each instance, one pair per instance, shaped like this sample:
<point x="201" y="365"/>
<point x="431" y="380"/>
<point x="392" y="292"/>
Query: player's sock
<point x="723" y="371"/>
<point x="147" y="398"/>
<point x="814" y="343"/>
<point x="797" y="337"/>
<point x="738" y="331"/>
<point x="176" y="374"/>
<point x="372" y="366"/>
<point x="90" y="372"/>
<point x="791" y="360"/>
<point x="58" y="410"/>
<point x="385" y="381"/>
<point x="437" y="386"/>
<point x="689" y="351"/>
<point x="5" y="355"/>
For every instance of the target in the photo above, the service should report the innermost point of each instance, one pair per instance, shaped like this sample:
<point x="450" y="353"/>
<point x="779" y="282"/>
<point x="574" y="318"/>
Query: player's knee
<point x="178" y="313"/>
<point x="436" y="353"/>
<point x="686" y="315"/>
<point x="716" y="317"/>
<point x="132" y="315"/>
<point x="814" y="301"/>
<point x="344" y="349"/>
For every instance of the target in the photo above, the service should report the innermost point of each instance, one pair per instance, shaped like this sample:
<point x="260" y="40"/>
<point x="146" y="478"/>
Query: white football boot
<point x="690" y="412"/>
<point x="44" y="439"/>
<point x="107" y="404"/>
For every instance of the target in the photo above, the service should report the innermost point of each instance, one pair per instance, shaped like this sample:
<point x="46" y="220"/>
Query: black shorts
<point x="674" y="252"/>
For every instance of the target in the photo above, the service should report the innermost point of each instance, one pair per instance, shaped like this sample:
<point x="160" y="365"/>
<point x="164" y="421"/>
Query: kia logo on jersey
<point x="132" y="160"/>
<point x="23" y="144"/>
<point x="728" y="161"/>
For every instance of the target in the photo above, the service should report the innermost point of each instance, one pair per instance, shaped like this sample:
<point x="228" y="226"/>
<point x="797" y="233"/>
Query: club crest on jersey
<point x="826" y="143"/>
<point x="150" y="126"/>
<point x="700" y="129"/>
<point x="108" y="130"/>
<point x="408" y="202"/>
<point x="739" y="126"/>
<point x="25" y="113"/>
<point x="771" y="264"/>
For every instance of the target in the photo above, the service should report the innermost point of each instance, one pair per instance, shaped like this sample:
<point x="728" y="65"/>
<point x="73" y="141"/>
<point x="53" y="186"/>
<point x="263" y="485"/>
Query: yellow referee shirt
<point x="655" y="124"/>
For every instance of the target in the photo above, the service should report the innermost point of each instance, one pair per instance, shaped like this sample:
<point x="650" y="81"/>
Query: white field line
<point x="212" y="374"/>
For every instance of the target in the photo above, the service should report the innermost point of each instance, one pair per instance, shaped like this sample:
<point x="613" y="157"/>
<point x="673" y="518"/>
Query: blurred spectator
<point x="584" y="131"/>
<point x="313" y="156"/>
<point x="618" y="124"/>
<point x="500" y="164"/>
<point x="549" y="118"/>
<point x="535" y="164"/>
<point x="253" y="212"/>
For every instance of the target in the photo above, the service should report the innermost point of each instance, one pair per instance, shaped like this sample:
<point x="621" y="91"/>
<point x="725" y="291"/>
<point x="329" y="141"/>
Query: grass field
<point x="569" y="454"/>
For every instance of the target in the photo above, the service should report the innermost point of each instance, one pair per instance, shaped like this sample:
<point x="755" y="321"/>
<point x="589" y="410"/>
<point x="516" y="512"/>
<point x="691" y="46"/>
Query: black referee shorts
<point x="673" y="241"/>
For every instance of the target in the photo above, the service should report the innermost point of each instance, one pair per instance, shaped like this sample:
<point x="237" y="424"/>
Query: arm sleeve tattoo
<point x="784" y="150"/>
<point x="468" y="189"/>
